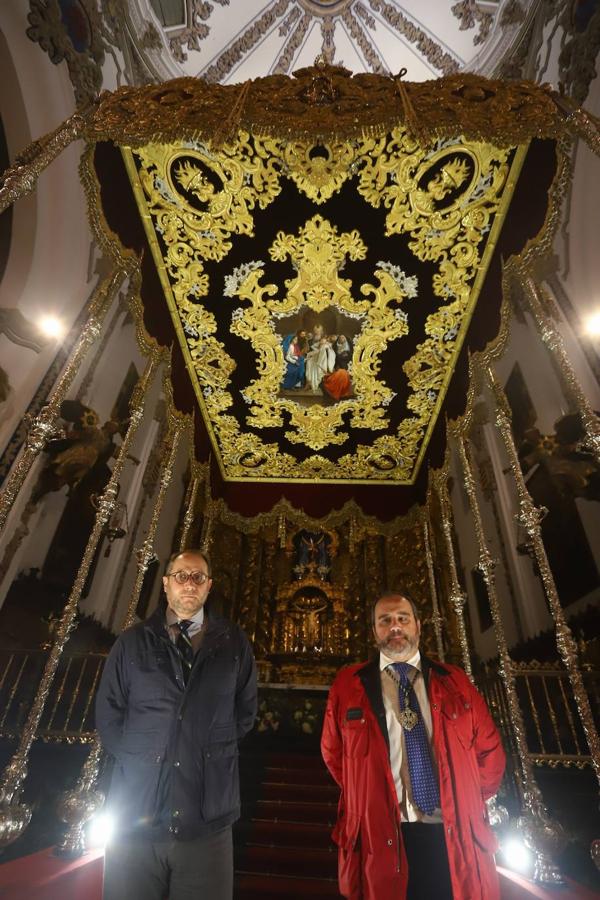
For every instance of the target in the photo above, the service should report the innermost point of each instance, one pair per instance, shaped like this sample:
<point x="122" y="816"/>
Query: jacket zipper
<point x="397" y="827"/>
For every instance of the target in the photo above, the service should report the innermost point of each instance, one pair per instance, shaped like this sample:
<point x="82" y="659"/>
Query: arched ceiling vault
<point x="429" y="40"/>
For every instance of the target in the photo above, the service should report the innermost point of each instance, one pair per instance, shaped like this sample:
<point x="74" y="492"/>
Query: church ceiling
<point x="188" y="37"/>
<point x="324" y="282"/>
<point x="105" y="43"/>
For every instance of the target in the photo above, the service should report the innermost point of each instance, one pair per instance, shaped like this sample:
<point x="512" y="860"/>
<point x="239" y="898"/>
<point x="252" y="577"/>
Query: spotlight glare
<point x="51" y="327"/>
<point x="592" y="324"/>
<point x="516" y="855"/>
<point x="100" y="830"/>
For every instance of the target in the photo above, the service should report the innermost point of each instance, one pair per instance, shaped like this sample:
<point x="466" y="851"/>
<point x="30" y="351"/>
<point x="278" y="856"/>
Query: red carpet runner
<point x="283" y="848"/>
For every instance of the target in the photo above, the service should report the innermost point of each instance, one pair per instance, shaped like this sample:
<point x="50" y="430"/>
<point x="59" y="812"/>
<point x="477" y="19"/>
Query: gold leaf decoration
<point x="445" y="200"/>
<point x="318" y="253"/>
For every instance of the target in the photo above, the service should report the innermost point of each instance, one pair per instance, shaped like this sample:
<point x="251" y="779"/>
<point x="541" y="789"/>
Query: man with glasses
<point x="177" y="693"/>
<point x="413" y="746"/>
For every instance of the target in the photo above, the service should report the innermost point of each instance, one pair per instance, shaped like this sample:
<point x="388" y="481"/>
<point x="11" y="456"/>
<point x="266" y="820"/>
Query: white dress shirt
<point x="197" y="621"/>
<point x="398" y="762"/>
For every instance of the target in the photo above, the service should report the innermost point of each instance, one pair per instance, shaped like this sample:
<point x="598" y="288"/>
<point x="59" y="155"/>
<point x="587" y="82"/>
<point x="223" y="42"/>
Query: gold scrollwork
<point x="506" y="112"/>
<point x="319" y="169"/>
<point x="318" y="253"/>
<point x="448" y="197"/>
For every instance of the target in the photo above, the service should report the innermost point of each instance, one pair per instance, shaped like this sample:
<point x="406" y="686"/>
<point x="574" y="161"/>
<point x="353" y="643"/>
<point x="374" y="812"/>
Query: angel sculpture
<point x="569" y="462"/>
<point x="72" y="457"/>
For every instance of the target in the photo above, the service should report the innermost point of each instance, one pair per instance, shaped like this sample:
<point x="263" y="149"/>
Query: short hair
<point x="193" y="550"/>
<point x="396" y="592"/>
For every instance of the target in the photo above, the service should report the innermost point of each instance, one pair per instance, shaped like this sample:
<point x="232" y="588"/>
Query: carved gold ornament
<point x="445" y="202"/>
<point x="329" y="102"/>
<point x="318" y="253"/>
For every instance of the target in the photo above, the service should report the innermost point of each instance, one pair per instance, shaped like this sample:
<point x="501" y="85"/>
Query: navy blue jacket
<point x="176" y="745"/>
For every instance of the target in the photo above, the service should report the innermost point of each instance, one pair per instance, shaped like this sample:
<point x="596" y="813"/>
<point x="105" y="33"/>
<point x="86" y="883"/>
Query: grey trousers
<point x="201" y="869"/>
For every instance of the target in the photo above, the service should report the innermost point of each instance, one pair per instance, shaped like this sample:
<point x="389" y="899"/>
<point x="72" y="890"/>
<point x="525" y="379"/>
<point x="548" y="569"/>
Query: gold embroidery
<point x="448" y="199"/>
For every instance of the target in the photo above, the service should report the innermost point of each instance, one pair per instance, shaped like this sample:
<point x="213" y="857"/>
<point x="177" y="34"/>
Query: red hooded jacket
<point x="470" y="759"/>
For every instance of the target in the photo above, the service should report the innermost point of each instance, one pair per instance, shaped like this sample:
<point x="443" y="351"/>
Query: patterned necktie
<point x="184" y="645"/>
<point x="425" y="790"/>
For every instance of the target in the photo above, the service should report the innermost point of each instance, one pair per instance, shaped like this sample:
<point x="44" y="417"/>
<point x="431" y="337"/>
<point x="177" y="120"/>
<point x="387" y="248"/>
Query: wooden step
<point x="316" y="775"/>
<point x="289" y="811"/>
<point x="250" y="886"/>
<point x="320" y="793"/>
<point x="272" y="860"/>
<point x="305" y="761"/>
<point x="284" y="834"/>
<point x="284" y="849"/>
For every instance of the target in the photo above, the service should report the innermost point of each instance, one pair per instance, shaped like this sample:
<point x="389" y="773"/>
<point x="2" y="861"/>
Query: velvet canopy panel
<point x="323" y="256"/>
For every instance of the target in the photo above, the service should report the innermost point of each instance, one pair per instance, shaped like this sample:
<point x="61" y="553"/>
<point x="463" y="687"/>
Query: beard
<point x="400" y="647"/>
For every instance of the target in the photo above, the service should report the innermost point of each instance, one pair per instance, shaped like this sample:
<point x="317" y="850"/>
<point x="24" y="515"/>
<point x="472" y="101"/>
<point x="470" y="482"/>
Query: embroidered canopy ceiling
<point x="324" y="251"/>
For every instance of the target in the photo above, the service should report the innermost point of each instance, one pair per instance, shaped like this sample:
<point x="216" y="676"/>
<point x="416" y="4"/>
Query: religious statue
<point x="313" y="554"/>
<point x="84" y="445"/>
<point x="572" y="468"/>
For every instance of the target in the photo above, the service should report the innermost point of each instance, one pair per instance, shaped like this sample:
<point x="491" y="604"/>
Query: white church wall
<point x="47" y="267"/>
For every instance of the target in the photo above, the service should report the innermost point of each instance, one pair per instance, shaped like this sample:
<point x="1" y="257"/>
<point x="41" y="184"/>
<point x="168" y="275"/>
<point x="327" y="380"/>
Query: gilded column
<point x="77" y="806"/>
<point x="357" y="603"/>
<point x="374" y="573"/>
<point x="149" y="481"/>
<point x="190" y="507"/>
<point x="20" y="179"/>
<point x="249" y="587"/>
<point x="14" y="816"/>
<point x="539" y="302"/>
<point x="579" y="121"/>
<point x="145" y="553"/>
<point x="44" y="426"/>
<point x="530" y="518"/>
<point x="489" y="488"/>
<point x="208" y="514"/>
<point x="122" y="306"/>
<point x="264" y="622"/>
<point x="20" y="532"/>
<point x="457" y="596"/>
<point x="544" y="837"/>
<point x="436" y="619"/>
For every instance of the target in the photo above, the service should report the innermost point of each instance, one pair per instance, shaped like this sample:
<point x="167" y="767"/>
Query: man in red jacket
<point x="413" y="747"/>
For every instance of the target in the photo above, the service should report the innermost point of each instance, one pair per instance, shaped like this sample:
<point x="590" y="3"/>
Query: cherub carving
<point x="71" y="457"/>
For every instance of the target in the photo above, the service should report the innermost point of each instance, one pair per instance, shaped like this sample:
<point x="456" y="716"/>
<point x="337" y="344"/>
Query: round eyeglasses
<point x="182" y="577"/>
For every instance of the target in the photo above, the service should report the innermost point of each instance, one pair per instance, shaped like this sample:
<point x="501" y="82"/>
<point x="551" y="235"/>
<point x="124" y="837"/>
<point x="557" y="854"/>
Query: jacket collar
<point x="431" y="665"/>
<point x="215" y="626"/>
<point x="156" y="622"/>
<point x="370" y="677"/>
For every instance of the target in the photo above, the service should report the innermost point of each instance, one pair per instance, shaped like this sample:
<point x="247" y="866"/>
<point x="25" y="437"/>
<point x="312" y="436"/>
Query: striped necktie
<point x="424" y="783"/>
<point x="184" y="645"/>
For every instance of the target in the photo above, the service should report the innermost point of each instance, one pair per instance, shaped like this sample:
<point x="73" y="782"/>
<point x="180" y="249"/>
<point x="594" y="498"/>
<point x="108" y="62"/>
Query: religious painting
<point x="317" y="353"/>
